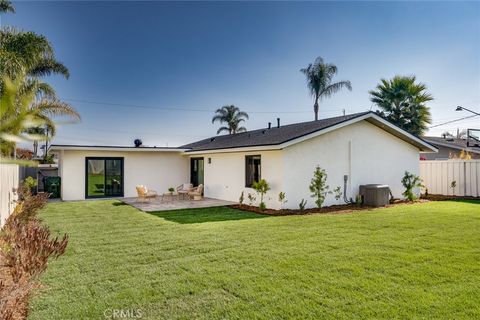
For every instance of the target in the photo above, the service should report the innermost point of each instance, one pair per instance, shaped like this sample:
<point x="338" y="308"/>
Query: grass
<point x="411" y="261"/>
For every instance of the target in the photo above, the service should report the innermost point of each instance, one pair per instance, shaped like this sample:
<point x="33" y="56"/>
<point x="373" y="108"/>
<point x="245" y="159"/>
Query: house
<point x="355" y="149"/>
<point x="449" y="148"/>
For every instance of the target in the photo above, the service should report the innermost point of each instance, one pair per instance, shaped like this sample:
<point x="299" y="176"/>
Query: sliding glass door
<point x="103" y="177"/>
<point x="196" y="171"/>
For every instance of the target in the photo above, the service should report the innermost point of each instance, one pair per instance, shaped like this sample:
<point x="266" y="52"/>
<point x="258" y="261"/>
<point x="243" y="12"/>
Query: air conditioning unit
<point x="375" y="195"/>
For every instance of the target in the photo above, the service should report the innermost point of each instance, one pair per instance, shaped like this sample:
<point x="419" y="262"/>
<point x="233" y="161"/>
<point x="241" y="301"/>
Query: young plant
<point x="410" y="182"/>
<point x="338" y="193"/>
<point x="302" y="205"/>
<point x="251" y="199"/>
<point x="240" y="200"/>
<point x="453" y="185"/>
<point x="358" y="200"/>
<point x="261" y="187"/>
<point x="318" y="186"/>
<point x="282" y="198"/>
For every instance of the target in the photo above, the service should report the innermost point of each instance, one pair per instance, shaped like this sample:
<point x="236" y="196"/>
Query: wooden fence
<point x="438" y="177"/>
<point x="9" y="179"/>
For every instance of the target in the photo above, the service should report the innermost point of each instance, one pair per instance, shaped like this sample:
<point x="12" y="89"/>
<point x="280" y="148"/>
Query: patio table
<point x="171" y="195"/>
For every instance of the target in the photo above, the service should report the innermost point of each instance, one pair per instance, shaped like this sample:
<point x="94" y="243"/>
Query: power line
<point x="451" y="121"/>
<point x="180" y="108"/>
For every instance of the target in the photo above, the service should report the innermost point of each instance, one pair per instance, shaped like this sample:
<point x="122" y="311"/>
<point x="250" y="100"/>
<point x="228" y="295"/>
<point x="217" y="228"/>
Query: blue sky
<point x="158" y="70"/>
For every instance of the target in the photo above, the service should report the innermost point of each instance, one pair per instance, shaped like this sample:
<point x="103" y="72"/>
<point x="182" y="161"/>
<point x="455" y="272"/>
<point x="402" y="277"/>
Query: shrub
<point x="282" y="198"/>
<point x="302" y="204"/>
<point x="262" y="206"/>
<point x="251" y="199"/>
<point x="453" y="185"/>
<point x="410" y="182"/>
<point x="338" y="193"/>
<point x="318" y="186"/>
<point x="25" y="248"/>
<point x="240" y="200"/>
<point x="261" y="187"/>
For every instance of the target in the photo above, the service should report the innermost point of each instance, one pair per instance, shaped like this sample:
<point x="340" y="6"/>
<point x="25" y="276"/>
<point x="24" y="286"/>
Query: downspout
<point x="347" y="176"/>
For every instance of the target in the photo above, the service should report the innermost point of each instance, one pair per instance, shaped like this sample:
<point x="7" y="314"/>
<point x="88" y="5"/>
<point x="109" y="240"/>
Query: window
<point x="253" y="171"/>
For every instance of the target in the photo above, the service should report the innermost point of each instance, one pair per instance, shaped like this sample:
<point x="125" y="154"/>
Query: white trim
<point x="241" y="149"/>
<point x="126" y="149"/>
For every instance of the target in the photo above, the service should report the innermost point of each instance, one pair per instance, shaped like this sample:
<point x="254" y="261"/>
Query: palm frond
<point x="48" y="107"/>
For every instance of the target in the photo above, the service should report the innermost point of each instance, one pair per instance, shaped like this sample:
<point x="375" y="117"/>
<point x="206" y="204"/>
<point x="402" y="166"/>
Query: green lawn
<point x="412" y="261"/>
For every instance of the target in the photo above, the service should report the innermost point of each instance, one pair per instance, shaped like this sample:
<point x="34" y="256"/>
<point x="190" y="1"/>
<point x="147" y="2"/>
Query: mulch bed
<point x="335" y="209"/>
<point x="440" y="197"/>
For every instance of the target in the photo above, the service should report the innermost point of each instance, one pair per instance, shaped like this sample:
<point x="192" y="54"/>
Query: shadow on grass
<point x="201" y="215"/>
<point x="119" y="203"/>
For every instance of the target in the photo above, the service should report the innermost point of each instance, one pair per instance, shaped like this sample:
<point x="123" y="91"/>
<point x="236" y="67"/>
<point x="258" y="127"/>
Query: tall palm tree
<point x="232" y="116"/>
<point x="319" y="81"/>
<point x="403" y="102"/>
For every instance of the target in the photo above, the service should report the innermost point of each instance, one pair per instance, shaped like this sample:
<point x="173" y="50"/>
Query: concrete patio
<point x="174" y="204"/>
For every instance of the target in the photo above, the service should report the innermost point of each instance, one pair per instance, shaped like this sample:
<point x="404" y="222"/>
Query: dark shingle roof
<point x="460" y="144"/>
<point x="266" y="137"/>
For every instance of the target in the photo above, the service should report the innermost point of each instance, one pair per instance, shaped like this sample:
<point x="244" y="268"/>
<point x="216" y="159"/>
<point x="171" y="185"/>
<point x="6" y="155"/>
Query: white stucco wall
<point x="157" y="170"/>
<point x="225" y="175"/>
<point x="364" y="152"/>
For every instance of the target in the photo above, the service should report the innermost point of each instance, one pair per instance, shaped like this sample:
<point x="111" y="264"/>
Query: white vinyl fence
<point x="9" y="176"/>
<point x="438" y="176"/>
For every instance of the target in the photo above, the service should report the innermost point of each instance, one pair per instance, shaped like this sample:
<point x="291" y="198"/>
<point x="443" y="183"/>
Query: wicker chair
<point x="184" y="189"/>
<point x="196" y="193"/>
<point x="144" y="194"/>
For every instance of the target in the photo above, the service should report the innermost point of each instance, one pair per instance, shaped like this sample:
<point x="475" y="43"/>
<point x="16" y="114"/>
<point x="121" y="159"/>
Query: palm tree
<point x="37" y="131"/>
<point x="33" y="100"/>
<point x="403" y="102"/>
<point x="232" y="116"/>
<point x="16" y="116"/>
<point x="319" y="81"/>
<point x="6" y="6"/>
<point x="29" y="53"/>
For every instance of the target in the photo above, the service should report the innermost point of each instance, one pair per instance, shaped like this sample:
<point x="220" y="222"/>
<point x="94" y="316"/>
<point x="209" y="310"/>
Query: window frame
<point x="122" y="159"/>
<point x="253" y="156"/>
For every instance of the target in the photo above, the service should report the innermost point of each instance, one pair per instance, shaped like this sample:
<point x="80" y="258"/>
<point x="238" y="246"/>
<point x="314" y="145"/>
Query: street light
<point x="459" y="108"/>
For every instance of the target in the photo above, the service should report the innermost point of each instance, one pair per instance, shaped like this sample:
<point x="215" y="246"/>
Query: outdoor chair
<point x="196" y="193"/>
<point x="144" y="194"/>
<point x="184" y="189"/>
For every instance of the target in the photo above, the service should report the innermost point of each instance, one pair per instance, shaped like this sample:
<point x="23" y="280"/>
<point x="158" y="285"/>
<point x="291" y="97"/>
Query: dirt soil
<point x="335" y="209"/>
<point x="440" y="197"/>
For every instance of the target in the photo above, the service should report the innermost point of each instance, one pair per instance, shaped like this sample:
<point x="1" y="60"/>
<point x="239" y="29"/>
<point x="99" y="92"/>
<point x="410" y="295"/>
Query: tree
<point x="16" y="116"/>
<point x="319" y="81"/>
<point x="262" y="188"/>
<point x="29" y="53"/>
<point x="318" y="186"/>
<point x="232" y="116"/>
<point x="403" y="102"/>
<point x="6" y="6"/>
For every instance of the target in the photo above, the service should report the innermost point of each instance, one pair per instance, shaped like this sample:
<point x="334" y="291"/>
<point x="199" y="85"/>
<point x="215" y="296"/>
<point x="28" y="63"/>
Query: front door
<point x="196" y="171"/>
<point x="103" y="177"/>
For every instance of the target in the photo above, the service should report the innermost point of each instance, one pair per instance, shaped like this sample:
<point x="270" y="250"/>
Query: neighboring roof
<point x="458" y="144"/>
<point x="55" y="147"/>
<point x="294" y="133"/>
